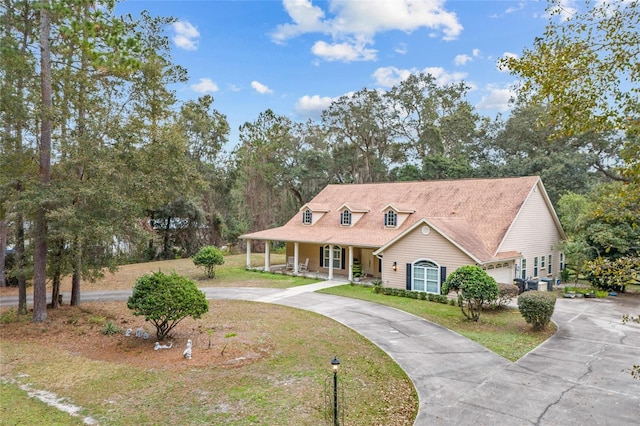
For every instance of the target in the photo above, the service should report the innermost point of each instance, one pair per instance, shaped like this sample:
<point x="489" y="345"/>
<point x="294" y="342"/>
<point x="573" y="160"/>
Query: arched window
<point x="306" y="217"/>
<point x="345" y="217"/>
<point x="426" y="277"/>
<point x="390" y="218"/>
<point x="337" y="257"/>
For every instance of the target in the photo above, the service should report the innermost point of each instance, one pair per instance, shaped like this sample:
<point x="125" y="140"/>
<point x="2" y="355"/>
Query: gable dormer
<point x="395" y="215"/>
<point x="349" y="215"/>
<point x="311" y="213"/>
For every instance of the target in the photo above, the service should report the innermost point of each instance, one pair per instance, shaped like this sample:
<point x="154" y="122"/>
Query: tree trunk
<point x="57" y="274"/>
<point x="3" y="251"/>
<point x="19" y="266"/>
<point x="77" y="273"/>
<point x="40" y="228"/>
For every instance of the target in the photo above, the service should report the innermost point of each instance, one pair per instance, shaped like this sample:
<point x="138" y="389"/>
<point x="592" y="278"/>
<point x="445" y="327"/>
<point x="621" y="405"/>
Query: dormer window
<point x="345" y="217"/>
<point x="390" y="218"/>
<point x="306" y="217"/>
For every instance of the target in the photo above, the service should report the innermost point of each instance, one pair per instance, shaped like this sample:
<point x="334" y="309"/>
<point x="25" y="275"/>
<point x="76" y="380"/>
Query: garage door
<point x="502" y="273"/>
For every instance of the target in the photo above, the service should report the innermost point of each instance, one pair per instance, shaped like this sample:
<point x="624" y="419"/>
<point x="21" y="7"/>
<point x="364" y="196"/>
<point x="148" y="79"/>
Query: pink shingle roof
<point x="473" y="213"/>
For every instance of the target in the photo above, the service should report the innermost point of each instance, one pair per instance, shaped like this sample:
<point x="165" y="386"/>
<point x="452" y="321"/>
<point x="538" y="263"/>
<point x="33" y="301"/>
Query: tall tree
<point x="44" y="148"/>
<point x="585" y="67"/>
<point x="525" y="145"/>
<point x="360" y="131"/>
<point x="431" y="119"/>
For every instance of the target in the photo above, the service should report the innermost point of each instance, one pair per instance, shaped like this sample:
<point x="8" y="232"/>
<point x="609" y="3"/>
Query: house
<point x="411" y="234"/>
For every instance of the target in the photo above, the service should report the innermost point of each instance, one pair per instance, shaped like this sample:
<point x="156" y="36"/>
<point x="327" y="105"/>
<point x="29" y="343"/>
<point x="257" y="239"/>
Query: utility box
<point x="548" y="283"/>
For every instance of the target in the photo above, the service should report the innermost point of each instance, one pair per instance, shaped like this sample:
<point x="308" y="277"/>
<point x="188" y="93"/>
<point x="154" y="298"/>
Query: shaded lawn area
<point x="503" y="331"/>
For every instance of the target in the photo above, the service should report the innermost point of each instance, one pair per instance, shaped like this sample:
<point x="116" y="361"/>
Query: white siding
<point x="534" y="233"/>
<point x="415" y="246"/>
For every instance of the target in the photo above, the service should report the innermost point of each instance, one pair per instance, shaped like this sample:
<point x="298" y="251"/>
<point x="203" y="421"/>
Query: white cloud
<point x="462" y="59"/>
<point x="342" y="52"/>
<point x="186" y="35"/>
<point x="391" y="76"/>
<point x="312" y="106"/>
<point x="260" y="88"/>
<point x="475" y="53"/>
<point x="205" y="86"/>
<point x="357" y="22"/>
<point x="497" y="98"/>
<point x="521" y="5"/>
<point x="401" y="48"/>
<point x="443" y="77"/>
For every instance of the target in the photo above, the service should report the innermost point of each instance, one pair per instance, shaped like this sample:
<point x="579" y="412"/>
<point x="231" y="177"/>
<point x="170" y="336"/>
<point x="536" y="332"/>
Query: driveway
<point x="580" y="376"/>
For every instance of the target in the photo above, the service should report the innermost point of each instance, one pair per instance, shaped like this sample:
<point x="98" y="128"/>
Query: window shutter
<point x="385" y="219"/>
<point x="409" y="270"/>
<point x="321" y="257"/>
<point x="343" y="259"/>
<point x="379" y="266"/>
<point x="443" y="274"/>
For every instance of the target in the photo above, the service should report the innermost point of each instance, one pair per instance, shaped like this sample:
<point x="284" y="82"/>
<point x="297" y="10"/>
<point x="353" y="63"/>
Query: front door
<point x="367" y="262"/>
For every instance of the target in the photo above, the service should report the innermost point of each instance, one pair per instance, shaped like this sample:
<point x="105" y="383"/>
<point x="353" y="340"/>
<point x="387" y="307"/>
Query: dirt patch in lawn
<point x="80" y="331"/>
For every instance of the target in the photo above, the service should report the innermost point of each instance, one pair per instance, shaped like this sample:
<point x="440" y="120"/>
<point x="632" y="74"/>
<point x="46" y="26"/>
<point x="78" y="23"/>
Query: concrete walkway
<point x="578" y="377"/>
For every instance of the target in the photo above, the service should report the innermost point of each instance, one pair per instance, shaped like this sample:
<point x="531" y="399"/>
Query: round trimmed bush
<point x="208" y="257"/>
<point x="537" y="308"/>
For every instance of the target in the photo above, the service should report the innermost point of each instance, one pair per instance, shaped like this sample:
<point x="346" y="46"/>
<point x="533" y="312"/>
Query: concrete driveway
<point x="578" y="377"/>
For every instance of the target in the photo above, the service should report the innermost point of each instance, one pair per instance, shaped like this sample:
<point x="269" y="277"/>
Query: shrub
<point x="110" y="328"/>
<point x="165" y="300"/>
<point x="608" y="274"/>
<point x="506" y="293"/>
<point x="208" y="257"/>
<point x="474" y="288"/>
<point x="537" y="308"/>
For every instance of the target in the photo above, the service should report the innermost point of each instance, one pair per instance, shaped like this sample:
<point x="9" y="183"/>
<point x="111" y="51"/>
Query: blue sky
<point x="295" y="56"/>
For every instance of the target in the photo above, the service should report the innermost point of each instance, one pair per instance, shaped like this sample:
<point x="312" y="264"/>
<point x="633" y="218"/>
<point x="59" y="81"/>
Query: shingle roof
<point x="474" y="213"/>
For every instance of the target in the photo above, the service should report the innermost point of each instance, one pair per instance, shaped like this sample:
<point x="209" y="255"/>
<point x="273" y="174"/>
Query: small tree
<point x="165" y="300"/>
<point x="208" y="257"/>
<point x="474" y="288"/>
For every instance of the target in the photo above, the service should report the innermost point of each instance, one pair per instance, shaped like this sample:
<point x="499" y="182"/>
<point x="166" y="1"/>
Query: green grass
<point x="503" y="331"/>
<point x="17" y="408"/>
<point x="284" y="385"/>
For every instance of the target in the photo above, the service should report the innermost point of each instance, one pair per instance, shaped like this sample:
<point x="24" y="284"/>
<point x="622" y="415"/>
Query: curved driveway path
<point x="580" y="376"/>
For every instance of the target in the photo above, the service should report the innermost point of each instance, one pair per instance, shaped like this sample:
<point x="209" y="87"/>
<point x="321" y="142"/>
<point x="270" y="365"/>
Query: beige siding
<point x="415" y="246"/>
<point x="534" y="234"/>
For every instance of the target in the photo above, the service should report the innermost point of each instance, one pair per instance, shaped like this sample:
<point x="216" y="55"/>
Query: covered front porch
<point x="318" y="260"/>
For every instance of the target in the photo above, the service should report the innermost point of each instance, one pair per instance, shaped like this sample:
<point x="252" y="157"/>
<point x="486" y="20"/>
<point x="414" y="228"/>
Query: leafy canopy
<point x="165" y="300"/>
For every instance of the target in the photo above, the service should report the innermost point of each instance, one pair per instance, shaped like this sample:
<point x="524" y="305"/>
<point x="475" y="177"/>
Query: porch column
<point x="330" y="262"/>
<point x="267" y="254"/>
<point x="248" y="254"/>
<point x="350" y="263"/>
<point x="296" y="257"/>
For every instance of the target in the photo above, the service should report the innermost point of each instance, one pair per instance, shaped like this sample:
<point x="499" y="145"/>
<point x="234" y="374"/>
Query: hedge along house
<point x="410" y="234"/>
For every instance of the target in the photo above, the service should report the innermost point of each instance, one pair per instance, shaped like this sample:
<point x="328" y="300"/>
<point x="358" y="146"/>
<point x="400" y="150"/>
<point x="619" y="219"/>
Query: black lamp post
<point x="335" y="363"/>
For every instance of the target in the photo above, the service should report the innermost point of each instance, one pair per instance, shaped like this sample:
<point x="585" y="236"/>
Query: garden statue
<point x="187" y="351"/>
<point x="159" y="346"/>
